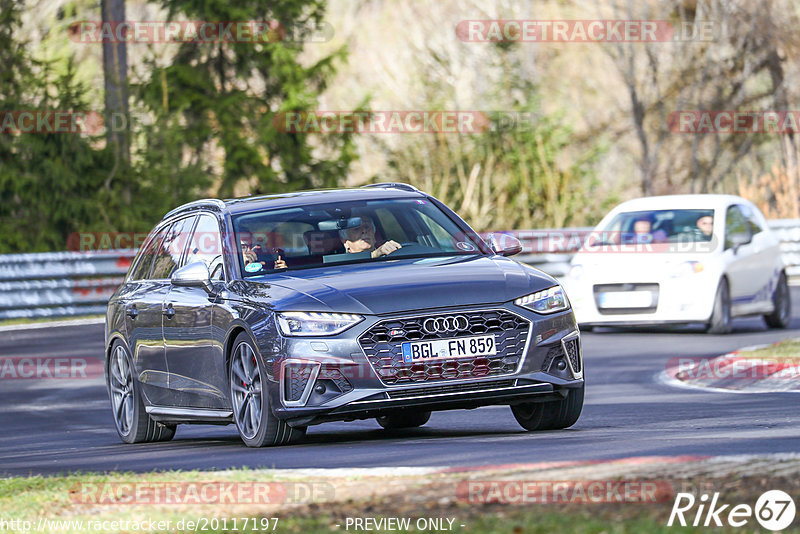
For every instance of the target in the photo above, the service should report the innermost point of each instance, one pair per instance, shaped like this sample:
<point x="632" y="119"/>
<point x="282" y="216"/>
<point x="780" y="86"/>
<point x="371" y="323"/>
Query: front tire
<point x="133" y="423"/>
<point x="781" y="316"/>
<point x="403" y="420"/>
<point x="720" y="322"/>
<point x="551" y="415"/>
<point x="257" y="425"/>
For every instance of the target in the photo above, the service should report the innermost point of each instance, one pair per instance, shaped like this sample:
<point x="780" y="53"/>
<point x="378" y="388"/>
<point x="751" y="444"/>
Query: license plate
<point x="440" y="349"/>
<point x="626" y="299"/>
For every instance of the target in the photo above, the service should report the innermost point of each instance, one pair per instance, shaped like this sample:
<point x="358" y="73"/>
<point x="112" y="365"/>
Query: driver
<point x="362" y="239"/>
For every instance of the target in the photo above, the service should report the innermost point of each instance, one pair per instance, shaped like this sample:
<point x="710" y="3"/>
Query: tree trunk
<point x="787" y="141"/>
<point x="115" y="70"/>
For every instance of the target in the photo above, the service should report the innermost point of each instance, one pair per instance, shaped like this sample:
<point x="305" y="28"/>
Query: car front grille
<point x="573" y="353"/>
<point x="336" y="377"/>
<point x="295" y="381"/>
<point x="382" y="344"/>
<point x="554" y="352"/>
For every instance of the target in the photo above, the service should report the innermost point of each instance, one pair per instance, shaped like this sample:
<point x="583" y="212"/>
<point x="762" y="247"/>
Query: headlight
<point x="687" y="268"/>
<point x="548" y="301"/>
<point x="315" y="324"/>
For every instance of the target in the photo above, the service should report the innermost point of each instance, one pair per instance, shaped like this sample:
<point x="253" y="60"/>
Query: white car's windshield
<point x="659" y="226"/>
<point x="347" y="232"/>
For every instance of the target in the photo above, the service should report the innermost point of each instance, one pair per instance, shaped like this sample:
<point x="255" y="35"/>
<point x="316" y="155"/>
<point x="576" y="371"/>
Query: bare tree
<point x="741" y="69"/>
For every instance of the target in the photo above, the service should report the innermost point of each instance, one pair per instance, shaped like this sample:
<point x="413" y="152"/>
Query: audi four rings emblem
<point x="440" y="325"/>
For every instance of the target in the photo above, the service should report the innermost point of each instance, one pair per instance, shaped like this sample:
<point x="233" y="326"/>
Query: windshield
<point x="659" y="226"/>
<point x="311" y="236"/>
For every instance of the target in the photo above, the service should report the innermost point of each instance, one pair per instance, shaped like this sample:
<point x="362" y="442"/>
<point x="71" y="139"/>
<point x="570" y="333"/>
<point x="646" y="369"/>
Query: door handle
<point x="132" y="312"/>
<point x="169" y="311"/>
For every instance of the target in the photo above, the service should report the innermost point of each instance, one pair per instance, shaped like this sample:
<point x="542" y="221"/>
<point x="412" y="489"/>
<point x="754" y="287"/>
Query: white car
<point x="680" y="259"/>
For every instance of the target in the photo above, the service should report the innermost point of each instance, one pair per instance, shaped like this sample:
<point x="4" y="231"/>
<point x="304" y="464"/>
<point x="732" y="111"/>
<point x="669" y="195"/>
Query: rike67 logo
<point x="774" y="510"/>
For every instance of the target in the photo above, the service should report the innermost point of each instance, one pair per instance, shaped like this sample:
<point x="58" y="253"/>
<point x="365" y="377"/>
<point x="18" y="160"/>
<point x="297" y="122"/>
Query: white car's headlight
<point x="316" y="324"/>
<point x="548" y="301"/>
<point x="686" y="268"/>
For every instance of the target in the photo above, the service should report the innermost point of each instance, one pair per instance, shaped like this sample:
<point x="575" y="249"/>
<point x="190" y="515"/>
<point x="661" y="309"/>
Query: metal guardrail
<point x="62" y="284"/>
<point x="788" y="231"/>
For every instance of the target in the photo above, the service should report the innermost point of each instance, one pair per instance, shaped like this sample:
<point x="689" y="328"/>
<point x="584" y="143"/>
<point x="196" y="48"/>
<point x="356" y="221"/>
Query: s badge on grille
<point x="442" y="325"/>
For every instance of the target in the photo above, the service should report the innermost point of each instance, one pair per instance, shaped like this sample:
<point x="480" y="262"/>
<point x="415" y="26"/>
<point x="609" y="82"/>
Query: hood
<point x="637" y="267"/>
<point x="399" y="285"/>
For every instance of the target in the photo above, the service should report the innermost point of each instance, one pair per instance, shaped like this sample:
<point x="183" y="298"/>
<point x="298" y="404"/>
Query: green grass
<point x="788" y="349"/>
<point x="31" y="498"/>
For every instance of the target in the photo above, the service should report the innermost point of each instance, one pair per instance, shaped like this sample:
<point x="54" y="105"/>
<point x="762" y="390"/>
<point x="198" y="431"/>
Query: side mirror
<point x="737" y="240"/>
<point x="504" y="244"/>
<point x="193" y="275"/>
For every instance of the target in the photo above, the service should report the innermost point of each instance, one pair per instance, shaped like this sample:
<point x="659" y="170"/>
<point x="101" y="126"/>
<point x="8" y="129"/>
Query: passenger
<point x="706" y="226"/>
<point x="642" y="227"/>
<point x="250" y="251"/>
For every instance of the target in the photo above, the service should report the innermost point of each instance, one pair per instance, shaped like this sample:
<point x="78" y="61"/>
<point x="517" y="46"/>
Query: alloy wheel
<point x="121" y="384"/>
<point x="246" y="390"/>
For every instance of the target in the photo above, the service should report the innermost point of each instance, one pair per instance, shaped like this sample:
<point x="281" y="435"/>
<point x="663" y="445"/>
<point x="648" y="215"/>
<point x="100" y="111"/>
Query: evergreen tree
<point x="47" y="180"/>
<point x="221" y="100"/>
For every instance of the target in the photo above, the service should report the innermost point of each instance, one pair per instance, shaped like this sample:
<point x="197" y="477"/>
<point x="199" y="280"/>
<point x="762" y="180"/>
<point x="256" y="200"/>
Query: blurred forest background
<point x="201" y="113"/>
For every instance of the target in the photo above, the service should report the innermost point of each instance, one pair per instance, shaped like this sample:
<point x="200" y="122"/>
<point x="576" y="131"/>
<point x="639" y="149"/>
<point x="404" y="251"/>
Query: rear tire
<point x="720" y="322"/>
<point x="551" y="415"/>
<point x="403" y="420"/>
<point x="132" y="421"/>
<point x="252" y="413"/>
<point x="782" y="300"/>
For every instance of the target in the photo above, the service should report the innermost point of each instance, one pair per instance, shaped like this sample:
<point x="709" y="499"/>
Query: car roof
<point x="317" y="196"/>
<point x="700" y="201"/>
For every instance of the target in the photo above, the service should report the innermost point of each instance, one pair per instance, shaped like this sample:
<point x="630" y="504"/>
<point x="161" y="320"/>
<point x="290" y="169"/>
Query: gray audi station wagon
<point x="279" y="312"/>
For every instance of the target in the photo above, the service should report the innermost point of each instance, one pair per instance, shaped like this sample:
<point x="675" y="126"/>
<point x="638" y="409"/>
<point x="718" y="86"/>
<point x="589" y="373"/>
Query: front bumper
<point x="338" y="381"/>
<point x="679" y="300"/>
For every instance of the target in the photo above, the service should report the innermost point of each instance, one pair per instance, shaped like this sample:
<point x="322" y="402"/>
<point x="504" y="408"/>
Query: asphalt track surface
<point x="56" y="426"/>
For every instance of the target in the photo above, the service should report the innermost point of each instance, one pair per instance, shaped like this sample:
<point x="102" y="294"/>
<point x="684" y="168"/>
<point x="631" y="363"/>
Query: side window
<point x="752" y="219"/>
<point x="168" y="257"/>
<point x="442" y="236"/>
<point x="390" y="225"/>
<point x="206" y="246"/>
<point x="144" y="260"/>
<point x="735" y="223"/>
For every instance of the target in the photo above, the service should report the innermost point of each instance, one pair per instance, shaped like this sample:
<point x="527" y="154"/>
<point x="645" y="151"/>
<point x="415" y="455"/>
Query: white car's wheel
<point x="782" y="301"/>
<point x="720" y="322"/>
